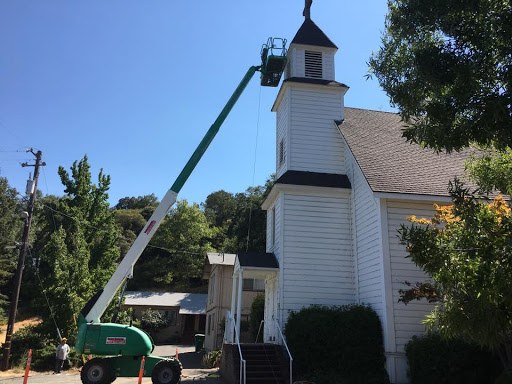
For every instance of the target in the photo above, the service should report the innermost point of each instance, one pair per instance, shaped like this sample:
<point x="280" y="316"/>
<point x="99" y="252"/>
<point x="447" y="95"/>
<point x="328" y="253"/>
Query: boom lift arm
<point x="94" y="310"/>
<point x="121" y="348"/>
<point x="271" y="69"/>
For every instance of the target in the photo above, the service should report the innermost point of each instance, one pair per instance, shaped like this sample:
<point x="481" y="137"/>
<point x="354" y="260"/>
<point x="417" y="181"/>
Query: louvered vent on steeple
<point x="313" y="61"/>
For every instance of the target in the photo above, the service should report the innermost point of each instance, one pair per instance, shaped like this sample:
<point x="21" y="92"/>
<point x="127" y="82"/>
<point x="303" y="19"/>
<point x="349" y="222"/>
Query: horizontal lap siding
<point x="408" y="318"/>
<point x="315" y="144"/>
<point x="328" y="66"/>
<point x="318" y="266"/>
<point x="368" y="245"/>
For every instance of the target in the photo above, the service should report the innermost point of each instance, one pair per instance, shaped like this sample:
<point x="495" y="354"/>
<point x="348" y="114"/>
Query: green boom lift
<point x="122" y="347"/>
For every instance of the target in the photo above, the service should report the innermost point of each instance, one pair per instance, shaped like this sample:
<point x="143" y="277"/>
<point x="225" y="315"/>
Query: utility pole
<point x="31" y="189"/>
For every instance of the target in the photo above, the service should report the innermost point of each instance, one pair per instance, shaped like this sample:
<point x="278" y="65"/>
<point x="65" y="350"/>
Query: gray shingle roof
<point x="389" y="163"/>
<point x="310" y="34"/>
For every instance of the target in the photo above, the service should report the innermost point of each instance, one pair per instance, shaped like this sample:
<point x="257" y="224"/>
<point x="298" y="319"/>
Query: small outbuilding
<point x="185" y="312"/>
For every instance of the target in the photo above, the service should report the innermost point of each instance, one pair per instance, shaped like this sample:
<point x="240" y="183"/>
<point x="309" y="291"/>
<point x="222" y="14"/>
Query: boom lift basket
<point x="273" y="61"/>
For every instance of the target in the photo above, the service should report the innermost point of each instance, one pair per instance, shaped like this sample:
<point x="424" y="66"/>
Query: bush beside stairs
<point x="266" y="363"/>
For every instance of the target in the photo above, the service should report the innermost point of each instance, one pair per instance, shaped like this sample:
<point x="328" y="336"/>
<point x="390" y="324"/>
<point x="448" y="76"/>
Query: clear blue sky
<point x="135" y="84"/>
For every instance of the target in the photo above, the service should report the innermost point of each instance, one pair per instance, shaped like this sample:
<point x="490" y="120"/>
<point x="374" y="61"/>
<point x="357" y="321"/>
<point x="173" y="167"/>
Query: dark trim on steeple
<point x="308" y="80"/>
<point x="315" y="179"/>
<point x="310" y="34"/>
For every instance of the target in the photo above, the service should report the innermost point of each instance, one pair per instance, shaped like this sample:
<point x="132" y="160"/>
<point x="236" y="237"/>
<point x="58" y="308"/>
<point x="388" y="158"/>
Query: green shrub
<point x="257" y="314"/>
<point x="151" y="321"/>
<point x="212" y="359"/>
<point x="43" y="349"/>
<point x="337" y="345"/>
<point x="433" y="359"/>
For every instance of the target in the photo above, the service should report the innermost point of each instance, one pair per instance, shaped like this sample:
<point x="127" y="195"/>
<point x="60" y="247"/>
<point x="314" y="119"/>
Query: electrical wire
<point x="47" y="189"/>
<point x="121" y="237"/>
<point x="254" y="169"/>
<point x="44" y="294"/>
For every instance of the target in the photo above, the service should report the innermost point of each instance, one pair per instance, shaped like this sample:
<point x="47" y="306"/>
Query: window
<point x="212" y="289"/>
<point x="213" y="323"/>
<point x="313" y="64"/>
<point x="254" y="285"/>
<point x="209" y="324"/>
<point x="273" y="234"/>
<point x="282" y="152"/>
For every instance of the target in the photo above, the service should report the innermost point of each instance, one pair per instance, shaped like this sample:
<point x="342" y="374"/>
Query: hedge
<point x="337" y="345"/>
<point x="433" y="359"/>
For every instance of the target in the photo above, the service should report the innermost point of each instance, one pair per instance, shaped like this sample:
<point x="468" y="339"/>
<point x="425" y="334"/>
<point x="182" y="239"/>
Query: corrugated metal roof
<point x="391" y="164"/>
<point x="221" y="258"/>
<point x="189" y="303"/>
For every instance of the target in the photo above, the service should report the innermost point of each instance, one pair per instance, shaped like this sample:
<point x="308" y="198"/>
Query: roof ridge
<point x="373" y="110"/>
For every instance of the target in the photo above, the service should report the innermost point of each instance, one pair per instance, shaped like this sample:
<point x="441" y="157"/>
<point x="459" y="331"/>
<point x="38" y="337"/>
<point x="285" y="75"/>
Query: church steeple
<point x="308" y="103"/>
<point x="311" y="53"/>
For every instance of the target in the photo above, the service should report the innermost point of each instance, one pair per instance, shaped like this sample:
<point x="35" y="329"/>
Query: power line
<point x="254" y="169"/>
<point x="120" y="237"/>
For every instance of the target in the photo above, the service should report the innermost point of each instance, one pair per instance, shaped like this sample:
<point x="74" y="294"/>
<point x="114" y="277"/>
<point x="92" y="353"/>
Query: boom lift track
<point x="123" y="346"/>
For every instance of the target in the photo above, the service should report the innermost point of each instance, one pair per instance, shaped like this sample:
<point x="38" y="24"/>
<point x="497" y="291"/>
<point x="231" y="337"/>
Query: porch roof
<point x="258" y="260"/>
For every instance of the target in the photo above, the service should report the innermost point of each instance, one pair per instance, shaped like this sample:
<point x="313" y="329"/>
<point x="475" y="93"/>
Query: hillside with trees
<point x="77" y="240"/>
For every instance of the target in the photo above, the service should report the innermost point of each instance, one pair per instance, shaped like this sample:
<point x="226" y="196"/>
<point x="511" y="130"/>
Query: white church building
<point x="346" y="181"/>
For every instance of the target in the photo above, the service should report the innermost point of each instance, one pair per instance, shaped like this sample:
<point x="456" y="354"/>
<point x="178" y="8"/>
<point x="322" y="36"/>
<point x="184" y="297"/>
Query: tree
<point x="131" y="222"/>
<point x="447" y="67"/>
<point x="466" y="249"/>
<point x="10" y="227"/>
<point x="220" y="208"/>
<point x="131" y="214"/>
<point x="144" y="204"/>
<point x="492" y="172"/>
<point x="239" y="218"/>
<point x="176" y="253"/>
<point x="81" y="252"/>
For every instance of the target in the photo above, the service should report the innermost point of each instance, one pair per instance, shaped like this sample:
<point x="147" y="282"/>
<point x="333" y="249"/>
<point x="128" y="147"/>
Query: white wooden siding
<point x="328" y="64"/>
<point x="317" y="265"/>
<point x="407" y="318"/>
<point x="297" y="64"/>
<point x="315" y="145"/>
<point x="283" y="121"/>
<point x="277" y="244"/>
<point x="368" y="248"/>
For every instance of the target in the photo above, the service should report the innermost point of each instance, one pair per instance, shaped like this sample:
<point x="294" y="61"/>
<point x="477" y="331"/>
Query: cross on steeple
<point x="307" y="9"/>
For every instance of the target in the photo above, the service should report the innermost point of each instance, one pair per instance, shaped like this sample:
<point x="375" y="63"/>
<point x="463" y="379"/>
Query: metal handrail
<point x="287" y="350"/>
<point x="259" y="329"/>
<point x="243" y="363"/>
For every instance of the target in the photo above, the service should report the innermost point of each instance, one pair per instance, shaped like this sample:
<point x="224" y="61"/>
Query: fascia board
<point x="303" y="189"/>
<point x="297" y="85"/>
<point x="411" y="196"/>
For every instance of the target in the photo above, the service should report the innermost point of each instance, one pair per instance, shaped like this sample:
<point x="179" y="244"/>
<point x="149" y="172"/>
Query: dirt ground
<point x="19" y="324"/>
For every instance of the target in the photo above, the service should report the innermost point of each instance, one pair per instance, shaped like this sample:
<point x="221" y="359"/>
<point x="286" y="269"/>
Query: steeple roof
<point x="310" y="34"/>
